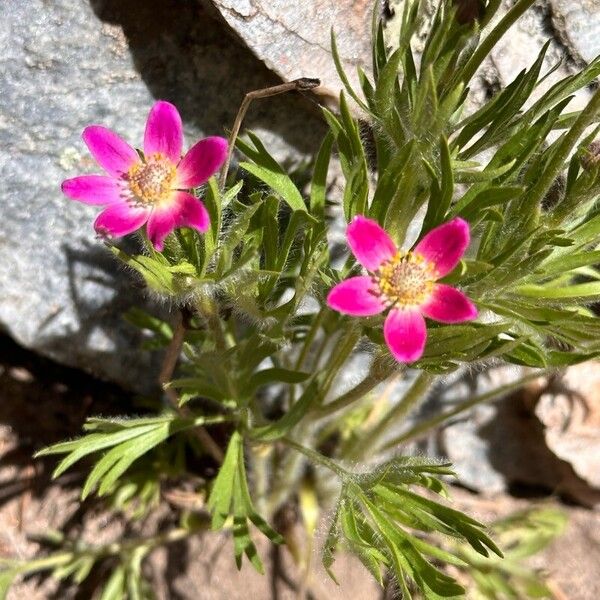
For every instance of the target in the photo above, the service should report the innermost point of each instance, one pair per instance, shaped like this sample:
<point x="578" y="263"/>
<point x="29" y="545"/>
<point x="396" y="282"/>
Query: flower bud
<point x="468" y="11"/>
<point x="590" y="157"/>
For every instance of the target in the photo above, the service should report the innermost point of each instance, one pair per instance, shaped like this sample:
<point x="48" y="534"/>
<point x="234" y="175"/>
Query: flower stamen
<point x="406" y="280"/>
<point x="152" y="181"/>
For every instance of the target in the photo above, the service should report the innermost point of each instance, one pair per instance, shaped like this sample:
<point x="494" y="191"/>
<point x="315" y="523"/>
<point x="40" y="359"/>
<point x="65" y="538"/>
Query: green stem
<point x="290" y="470"/>
<point x="370" y="382"/>
<point x="260" y="457"/>
<point x="421" y="428"/>
<point x="310" y="336"/>
<point x="171" y="357"/>
<point x="285" y="477"/>
<point x="412" y="396"/>
<point x="318" y="458"/>
<point x="319" y="353"/>
<point x="209" y="310"/>
<point x="337" y="358"/>
<point x="490" y="11"/>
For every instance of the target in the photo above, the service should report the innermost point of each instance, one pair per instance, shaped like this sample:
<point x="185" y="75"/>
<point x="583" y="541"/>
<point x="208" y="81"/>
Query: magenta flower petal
<point x="164" y="132"/>
<point x="117" y="220"/>
<point x="183" y="211"/>
<point x="93" y="189"/>
<point x="113" y="154"/>
<point x="445" y="245"/>
<point x="405" y="334"/>
<point x="449" y="305"/>
<point x="202" y="161"/>
<point x="354" y="297"/>
<point x="370" y="243"/>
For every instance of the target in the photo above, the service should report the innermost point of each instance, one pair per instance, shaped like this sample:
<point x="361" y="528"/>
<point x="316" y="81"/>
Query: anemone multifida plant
<point x="471" y="240"/>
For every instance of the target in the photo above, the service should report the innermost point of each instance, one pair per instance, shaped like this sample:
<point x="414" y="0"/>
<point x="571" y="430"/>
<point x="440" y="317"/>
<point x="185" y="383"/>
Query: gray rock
<point x="521" y="45"/>
<point x="570" y="414"/>
<point x="579" y="25"/>
<point x="518" y="443"/>
<point x="66" y="64"/>
<point x="294" y="39"/>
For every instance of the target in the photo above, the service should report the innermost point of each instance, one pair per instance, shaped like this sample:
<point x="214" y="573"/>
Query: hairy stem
<point x="411" y="398"/>
<point x="310" y="337"/>
<point x="285" y="477"/>
<point x="318" y="458"/>
<point x="300" y="85"/>
<point x="361" y="389"/>
<point x="172" y="355"/>
<point x="338" y="357"/>
<point x="495" y="394"/>
<point x="209" y="310"/>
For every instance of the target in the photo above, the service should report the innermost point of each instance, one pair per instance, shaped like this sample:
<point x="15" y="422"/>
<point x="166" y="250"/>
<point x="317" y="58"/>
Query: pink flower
<point x="153" y="189"/>
<point x="404" y="282"/>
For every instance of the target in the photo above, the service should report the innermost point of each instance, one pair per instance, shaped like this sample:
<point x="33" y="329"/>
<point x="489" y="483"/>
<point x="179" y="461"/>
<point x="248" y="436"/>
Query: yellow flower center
<point x="152" y="181"/>
<point x="405" y="280"/>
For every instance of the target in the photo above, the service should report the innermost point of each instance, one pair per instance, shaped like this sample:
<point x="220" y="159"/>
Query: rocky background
<point x="69" y="63"/>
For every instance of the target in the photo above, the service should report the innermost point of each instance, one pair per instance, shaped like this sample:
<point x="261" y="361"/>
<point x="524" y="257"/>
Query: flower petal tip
<point x="405" y="334"/>
<point x="109" y="150"/>
<point x="449" y="305"/>
<point x="202" y="161"/>
<point x="164" y="131"/>
<point x="92" y="189"/>
<point x="369" y="242"/>
<point x="118" y="220"/>
<point x="445" y="245"/>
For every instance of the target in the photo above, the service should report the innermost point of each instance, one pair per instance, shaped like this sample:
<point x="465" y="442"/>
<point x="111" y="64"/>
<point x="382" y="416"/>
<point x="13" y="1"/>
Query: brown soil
<point x="41" y="403"/>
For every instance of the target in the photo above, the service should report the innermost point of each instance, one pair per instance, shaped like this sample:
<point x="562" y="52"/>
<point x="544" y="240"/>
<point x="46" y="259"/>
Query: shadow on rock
<point x="190" y="58"/>
<point x="103" y="341"/>
<point x="517" y="449"/>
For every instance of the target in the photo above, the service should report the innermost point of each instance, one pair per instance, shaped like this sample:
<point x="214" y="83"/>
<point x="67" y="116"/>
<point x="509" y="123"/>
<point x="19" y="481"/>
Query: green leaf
<point x="342" y="74"/>
<point x="115" y="587"/>
<point x="90" y="444"/>
<point x="7" y="578"/>
<point x="234" y="236"/>
<point x="386" y="85"/>
<point x="230" y="497"/>
<point x="272" y="375"/>
<point x="318" y="187"/>
<point x="158" y="274"/>
<point x="197" y="386"/>
<point x="115" y="462"/>
<point x="469" y="207"/>
<point x="408" y="560"/>
<point x="389" y="182"/>
<point x="441" y="198"/>
<point x="215" y="202"/>
<point x="221" y="494"/>
<point x="243" y="544"/>
<point x="579" y="290"/>
<point x="563" y="264"/>
<point x="269" y="171"/>
<point x="127" y="440"/>
<point x="487" y="174"/>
